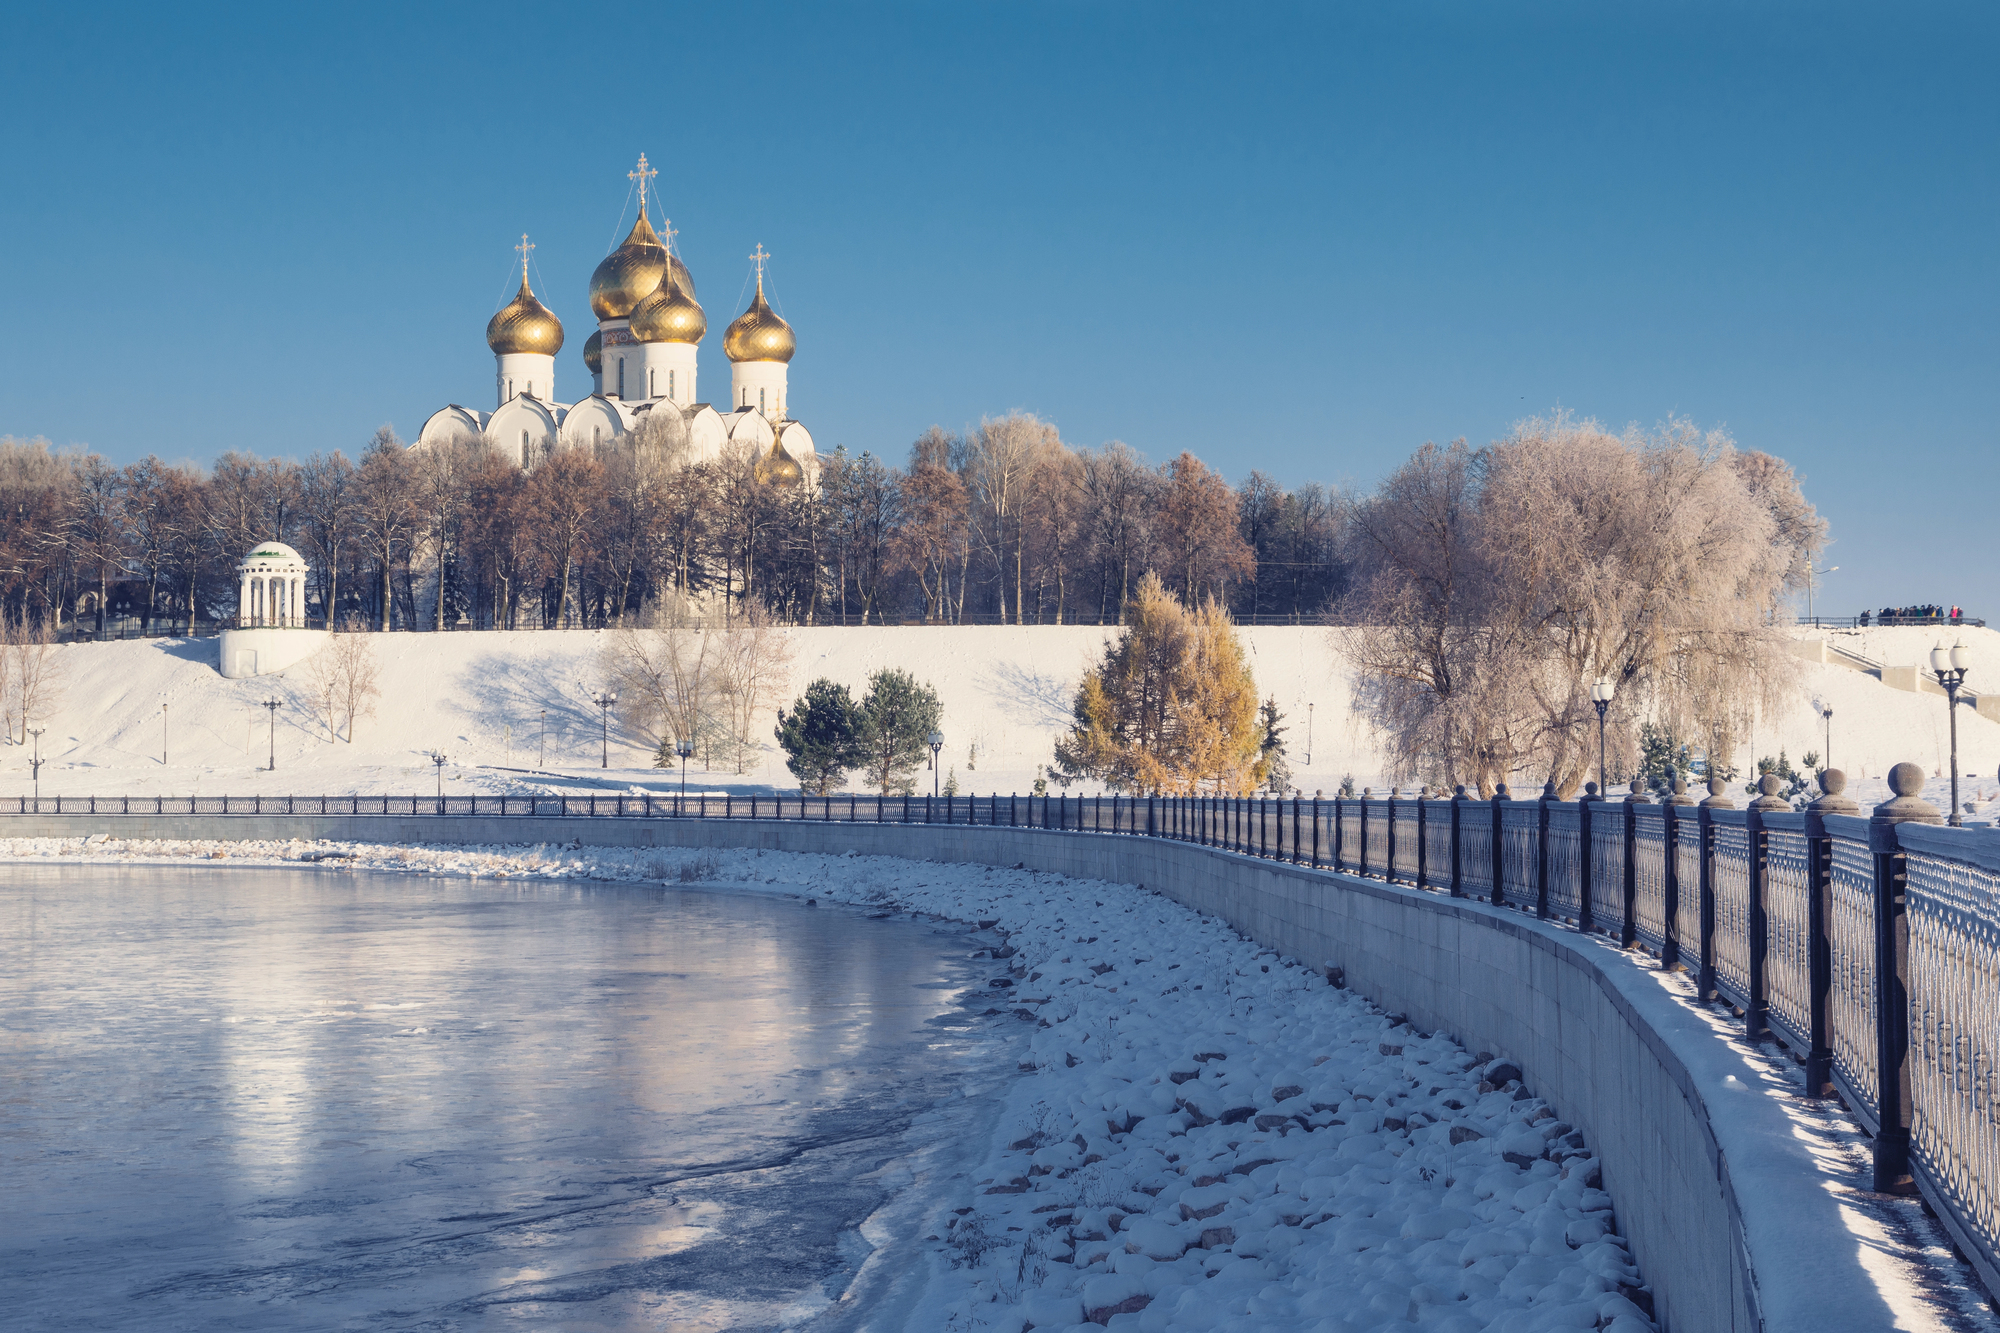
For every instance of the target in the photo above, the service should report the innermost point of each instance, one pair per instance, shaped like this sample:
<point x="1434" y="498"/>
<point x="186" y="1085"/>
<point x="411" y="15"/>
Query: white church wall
<point x="665" y="370"/>
<point x="758" y="384"/>
<point x="447" y="423"/>
<point x="706" y="435"/>
<point x="522" y="428"/>
<point x="524" y="372"/>
<point x="592" y="422"/>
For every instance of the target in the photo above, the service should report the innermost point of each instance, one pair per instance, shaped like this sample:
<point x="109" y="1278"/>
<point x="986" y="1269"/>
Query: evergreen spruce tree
<point x="1277" y="772"/>
<point x="896" y="720"/>
<point x="820" y="737"/>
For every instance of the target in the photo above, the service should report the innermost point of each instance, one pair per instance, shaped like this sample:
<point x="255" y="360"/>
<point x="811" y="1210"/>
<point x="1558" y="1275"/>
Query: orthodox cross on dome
<point x="642" y="174"/>
<point x="525" y="248"/>
<point x="667" y="234"/>
<point x="760" y="255"/>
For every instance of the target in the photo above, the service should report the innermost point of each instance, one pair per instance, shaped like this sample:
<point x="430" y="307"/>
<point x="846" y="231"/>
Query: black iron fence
<point x="1867" y="946"/>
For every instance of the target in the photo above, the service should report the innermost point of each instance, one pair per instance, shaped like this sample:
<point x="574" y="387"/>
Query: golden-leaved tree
<point x="1172" y="706"/>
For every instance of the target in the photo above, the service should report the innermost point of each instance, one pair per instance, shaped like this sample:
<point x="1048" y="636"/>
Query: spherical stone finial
<point x="1458" y="791"/>
<point x="1548" y="791"/>
<point x="1680" y="785"/>
<point x="1769" y="784"/>
<point x="1590" y="791"/>
<point x="1500" y="790"/>
<point x="1831" y="783"/>
<point x="1716" y="786"/>
<point x="1907" y="807"/>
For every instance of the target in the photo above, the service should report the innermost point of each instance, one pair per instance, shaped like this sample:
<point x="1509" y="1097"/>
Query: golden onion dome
<point x="593" y="352"/>
<point x="524" y="324"/>
<point x="759" y="334"/>
<point x="669" y="315"/>
<point x="779" y="468"/>
<point x="630" y="273"/>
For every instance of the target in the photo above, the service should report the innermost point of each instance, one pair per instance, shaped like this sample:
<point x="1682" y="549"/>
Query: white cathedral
<point x="641" y="360"/>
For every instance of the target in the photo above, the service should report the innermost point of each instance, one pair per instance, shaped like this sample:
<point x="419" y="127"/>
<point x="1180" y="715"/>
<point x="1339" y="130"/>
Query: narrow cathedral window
<point x="652" y="384"/>
<point x="621" y="377"/>
<point x="760" y="400"/>
<point x="670" y="387"/>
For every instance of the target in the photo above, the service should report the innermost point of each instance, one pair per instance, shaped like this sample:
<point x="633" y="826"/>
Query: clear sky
<point x="1302" y="239"/>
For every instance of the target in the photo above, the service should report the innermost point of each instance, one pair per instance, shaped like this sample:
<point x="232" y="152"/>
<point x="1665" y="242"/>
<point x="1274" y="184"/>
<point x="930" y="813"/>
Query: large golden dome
<point x="524" y="325"/>
<point x="759" y="334"/>
<point x="669" y="315"/>
<point x="593" y="352"/>
<point x="779" y="468"/>
<point x="630" y="273"/>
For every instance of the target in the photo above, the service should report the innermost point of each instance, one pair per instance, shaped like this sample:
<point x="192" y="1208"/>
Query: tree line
<point x="1005" y="522"/>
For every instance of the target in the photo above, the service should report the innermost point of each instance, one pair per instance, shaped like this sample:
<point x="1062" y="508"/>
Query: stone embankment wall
<point x="1592" y="1033"/>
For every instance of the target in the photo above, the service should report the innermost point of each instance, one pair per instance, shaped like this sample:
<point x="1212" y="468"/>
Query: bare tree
<point x="1002" y="456"/>
<point x="356" y="675"/>
<point x="664" y="670"/>
<point x="34" y="676"/>
<point x="386" y="514"/>
<point x="751" y="671"/>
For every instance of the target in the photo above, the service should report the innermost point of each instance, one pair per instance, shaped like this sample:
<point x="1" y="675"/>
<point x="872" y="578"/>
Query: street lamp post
<point x="604" y="702"/>
<point x="1810" y="572"/>
<point x="1602" y="691"/>
<point x="1825" y="711"/>
<point x="542" y="754"/>
<point x="438" y="758"/>
<point x="163" y="735"/>
<point x="1309" y="735"/>
<point x="684" y="748"/>
<point x="272" y="706"/>
<point x="1950" y="668"/>
<point x="36" y="765"/>
<point x="937" y="743"/>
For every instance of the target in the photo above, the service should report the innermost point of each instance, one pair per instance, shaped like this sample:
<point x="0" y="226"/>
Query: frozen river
<point x="249" y="1099"/>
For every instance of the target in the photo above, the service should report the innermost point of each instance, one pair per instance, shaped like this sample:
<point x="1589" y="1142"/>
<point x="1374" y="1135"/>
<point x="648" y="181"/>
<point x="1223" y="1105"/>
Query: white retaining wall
<point x="1591" y="1032"/>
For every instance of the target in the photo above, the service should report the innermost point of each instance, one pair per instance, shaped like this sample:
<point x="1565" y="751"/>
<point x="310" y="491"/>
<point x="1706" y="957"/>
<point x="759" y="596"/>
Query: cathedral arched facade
<point x="642" y="360"/>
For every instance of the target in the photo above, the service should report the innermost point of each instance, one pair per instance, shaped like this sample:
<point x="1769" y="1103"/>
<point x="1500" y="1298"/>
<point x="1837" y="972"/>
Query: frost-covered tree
<point x="1494" y="586"/>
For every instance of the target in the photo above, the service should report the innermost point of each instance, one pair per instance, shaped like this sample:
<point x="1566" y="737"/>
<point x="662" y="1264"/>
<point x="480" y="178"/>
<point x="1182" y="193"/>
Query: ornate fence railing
<point x="1868" y="947"/>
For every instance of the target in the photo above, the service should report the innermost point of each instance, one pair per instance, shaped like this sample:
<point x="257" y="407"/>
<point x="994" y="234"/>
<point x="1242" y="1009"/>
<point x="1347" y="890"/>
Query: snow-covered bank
<point x="512" y="712"/>
<point x="1209" y="1137"/>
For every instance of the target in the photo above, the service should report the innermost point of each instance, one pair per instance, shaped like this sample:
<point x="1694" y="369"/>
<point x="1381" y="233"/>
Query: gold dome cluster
<point x="669" y="315"/>
<point x="632" y="272"/>
<point x="593" y="352"/>
<point x="524" y="324"/>
<point x="759" y="333"/>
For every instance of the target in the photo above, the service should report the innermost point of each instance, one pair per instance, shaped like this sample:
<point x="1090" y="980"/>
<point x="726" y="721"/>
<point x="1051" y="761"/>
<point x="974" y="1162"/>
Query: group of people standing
<point x="1901" y="615"/>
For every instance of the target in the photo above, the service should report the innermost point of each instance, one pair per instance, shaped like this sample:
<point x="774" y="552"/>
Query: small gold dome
<point x="759" y="334"/>
<point x="630" y="273"/>
<point x="779" y="468"/>
<point x="593" y="352"/>
<point x="524" y="324"/>
<point x="669" y="315"/>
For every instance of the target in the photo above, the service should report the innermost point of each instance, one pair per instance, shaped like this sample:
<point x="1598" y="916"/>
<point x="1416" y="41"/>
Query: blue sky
<point x="1304" y="239"/>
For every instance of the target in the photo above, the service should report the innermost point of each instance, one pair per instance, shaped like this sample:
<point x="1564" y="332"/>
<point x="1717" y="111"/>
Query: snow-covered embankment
<point x="1206" y="1136"/>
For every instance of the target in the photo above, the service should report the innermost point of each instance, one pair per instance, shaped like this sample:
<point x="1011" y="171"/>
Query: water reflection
<point x="257" y="1100"/>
